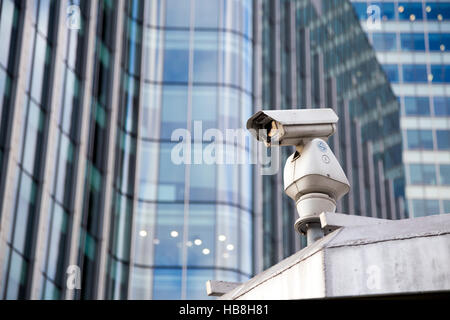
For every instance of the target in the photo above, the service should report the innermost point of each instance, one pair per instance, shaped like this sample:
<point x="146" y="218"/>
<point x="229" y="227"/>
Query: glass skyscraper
<point x="314" y="54"/>
<point x="412" y="41"/>
<point x="91" y="95"/>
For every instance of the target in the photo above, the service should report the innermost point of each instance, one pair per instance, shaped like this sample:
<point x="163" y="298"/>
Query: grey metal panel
<point x="50" y="152"/>
<point x="400" y="256"/>
<point x="11" y="155"/>
<point x="219" y="288"/>
<point x="109" y="179"/>
<point x="80" y="164"/>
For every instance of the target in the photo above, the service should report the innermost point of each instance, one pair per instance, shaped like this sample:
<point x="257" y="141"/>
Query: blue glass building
<point x="412" y="42"/>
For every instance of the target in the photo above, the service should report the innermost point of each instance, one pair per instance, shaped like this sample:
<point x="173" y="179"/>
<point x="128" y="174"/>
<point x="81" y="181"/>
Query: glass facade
<point x="412" y="43"/>
<point x="192" y="222"/>
<point x="89" y="190"/>
<point x="314" y="54"/>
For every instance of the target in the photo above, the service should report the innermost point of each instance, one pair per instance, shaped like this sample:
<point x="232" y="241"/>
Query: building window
<point x="410" y="11"/>
<point x="422" y="174"/>
<point x="444" y="174"/>
<point x="440" y="73"/>
<point x="443" y="139"/>
<point x="420" y="139"/>
<point x="206" y="14"/>
<point x="384" y="41"/>
<point x="446" y="206"/>
<point x="439" y="41"/>
<point x="178" y="13"/>
<point x="391" y="71"/>
<point x="441" y="106"/>
<point x="437" y="11"/>
<point x="412" y="41"/>
<point x="176" y="56"/>
<point x="417" y="106"/>
<point x="424" y="207"/>
<point x="415" y="73"/>
<point x="205" y="57"/>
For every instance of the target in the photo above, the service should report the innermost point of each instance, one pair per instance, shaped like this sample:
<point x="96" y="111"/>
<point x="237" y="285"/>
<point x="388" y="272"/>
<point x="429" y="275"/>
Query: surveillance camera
<point x="315" y="180"/>
<point x="292" y="127"/>
<point x="313" y="177"/>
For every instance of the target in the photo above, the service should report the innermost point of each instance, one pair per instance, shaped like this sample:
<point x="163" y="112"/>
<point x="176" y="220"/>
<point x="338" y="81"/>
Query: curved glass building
<point x="177" y="225"/>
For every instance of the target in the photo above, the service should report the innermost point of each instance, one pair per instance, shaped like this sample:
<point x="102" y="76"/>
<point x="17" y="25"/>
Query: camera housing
<point x="313" y="177"/>
<point x="292" y="127"/>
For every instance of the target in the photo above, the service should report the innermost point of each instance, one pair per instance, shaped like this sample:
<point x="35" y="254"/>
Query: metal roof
<point x="394" y="256"/>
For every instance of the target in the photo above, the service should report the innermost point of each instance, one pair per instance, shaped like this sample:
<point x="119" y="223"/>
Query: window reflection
<point x="384" y="41"/>
<point x="391" y="71"/>
<point x="148" y="170"/>
<point x="151" y="108"/>
<point x="177" y="13"/>
<point x="174" y="109"/>
<point x="440" y="73"/>
<point x="410" y="11"/>
<point x="227" y="225"/>
<point x="171" y="175"/>
<point x="204" y="106"/>
<point x="144" y="233"/>
<point x="245" y="243"/>
<point x="195" y="284"/>
<point x="203" y="179"/>
<point x="205" y="57"/>
<point x="444" y="173"/>
<point x="422" y="174"/>
<point x="230" y="58"/>
<point x="424" y="207"/>
<point x="443" y="139"/>
<point x="441" y="106"/>
<point x="412" y="41"/>
<point x="169" y="249"/>
<point x="206" y="13"/>
<point x="417" y="106"/>
<point x="439" y="41"/>
<point x="176" y="56"/>
<point x="415" y="73"/>
<point x="420" y="139"/>
<point x="201" y="227"/>
<point x="438" y="11"/>
<point x="167" y="284"/>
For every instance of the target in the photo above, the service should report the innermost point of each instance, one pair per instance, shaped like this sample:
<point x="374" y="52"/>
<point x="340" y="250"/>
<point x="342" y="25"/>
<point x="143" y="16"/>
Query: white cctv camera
<point x="292" y="127"/>
<point x="313" y="177"/>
